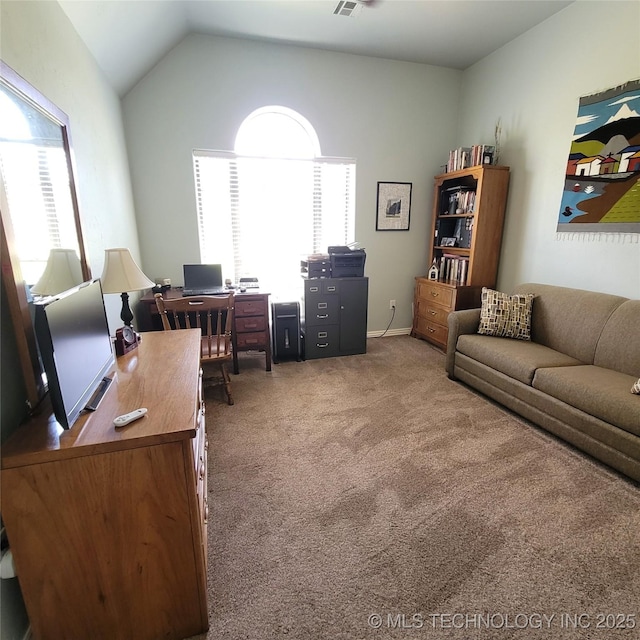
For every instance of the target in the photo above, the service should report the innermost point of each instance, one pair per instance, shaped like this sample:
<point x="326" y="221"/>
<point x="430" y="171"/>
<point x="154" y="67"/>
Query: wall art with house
<point x="602" y="181"/>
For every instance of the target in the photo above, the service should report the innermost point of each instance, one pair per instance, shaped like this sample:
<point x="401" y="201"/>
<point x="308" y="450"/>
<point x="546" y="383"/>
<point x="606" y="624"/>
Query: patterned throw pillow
<point x="505" y="316"/>
<point x="636" y="387"/>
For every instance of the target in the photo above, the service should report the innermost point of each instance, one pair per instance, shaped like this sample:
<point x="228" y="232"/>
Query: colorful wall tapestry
<point x="602" y="183"/>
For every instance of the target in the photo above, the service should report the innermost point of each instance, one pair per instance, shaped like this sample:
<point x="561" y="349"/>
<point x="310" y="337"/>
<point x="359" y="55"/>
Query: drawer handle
<point x="435" y="294"/>
<point x="331" y="288"/>
<point x="251" y="341"/>
<point x="433" y="313"/>
<point x="430" y="330"/>
<point x="206" y="510"/>
<point x="314" y="289"/>
<point x="250" y="326"/>
<point x="322" y="346"/>
<point x="202" y="469"/>
<point x="322" y="317"/>
<point x="322" y="305"/>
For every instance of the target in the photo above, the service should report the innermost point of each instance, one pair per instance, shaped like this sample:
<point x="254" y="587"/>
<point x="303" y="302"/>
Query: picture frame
<point x="448" y="242"/>
<point x="393" y="207"/>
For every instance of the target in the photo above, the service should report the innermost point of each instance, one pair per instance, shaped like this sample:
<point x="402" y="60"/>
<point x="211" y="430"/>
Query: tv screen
<point x="75" y="345"/>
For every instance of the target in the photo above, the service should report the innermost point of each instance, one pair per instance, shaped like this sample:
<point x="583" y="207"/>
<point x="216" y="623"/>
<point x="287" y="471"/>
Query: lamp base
<point x="126" y="315"/>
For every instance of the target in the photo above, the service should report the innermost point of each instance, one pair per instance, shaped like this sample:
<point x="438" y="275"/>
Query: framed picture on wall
<point x="393" y="206"/>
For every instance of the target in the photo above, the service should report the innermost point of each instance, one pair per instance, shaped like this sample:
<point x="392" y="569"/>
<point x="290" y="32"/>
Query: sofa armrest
<point x="460" y="323"/>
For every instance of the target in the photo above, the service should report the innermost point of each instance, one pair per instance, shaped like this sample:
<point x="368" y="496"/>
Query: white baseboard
<point x="392" y="332"/>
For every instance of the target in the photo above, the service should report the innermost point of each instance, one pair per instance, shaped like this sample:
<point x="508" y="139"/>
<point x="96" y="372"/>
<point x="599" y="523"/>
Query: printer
<point x="346" y="262"/>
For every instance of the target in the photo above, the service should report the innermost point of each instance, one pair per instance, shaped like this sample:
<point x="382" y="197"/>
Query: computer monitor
<point x="202" y="276"/>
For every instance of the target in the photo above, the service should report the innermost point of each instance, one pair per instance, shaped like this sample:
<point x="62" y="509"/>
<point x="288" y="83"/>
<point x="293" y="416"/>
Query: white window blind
<point x="259" y="216"/>
<point x="35" y="180"/>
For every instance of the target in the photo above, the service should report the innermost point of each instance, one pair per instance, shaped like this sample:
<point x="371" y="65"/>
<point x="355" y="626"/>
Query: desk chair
<point x="214" y="317"/>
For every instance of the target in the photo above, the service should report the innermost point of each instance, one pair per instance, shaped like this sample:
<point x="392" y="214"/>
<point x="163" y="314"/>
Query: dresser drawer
<point x="247" y="325"/>
<point x="432" y="331"/>
<point x="251" y="340"/>
<point x="432" y="313"/>
<point x="436" y="293"/>
<point x="250" y="308"/>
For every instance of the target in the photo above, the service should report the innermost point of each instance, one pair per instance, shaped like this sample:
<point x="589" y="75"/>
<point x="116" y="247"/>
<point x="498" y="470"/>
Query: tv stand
<point x="108" y="527"/>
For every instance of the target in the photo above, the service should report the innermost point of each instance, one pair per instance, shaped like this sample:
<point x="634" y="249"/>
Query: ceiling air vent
<point x="347" y="8"/>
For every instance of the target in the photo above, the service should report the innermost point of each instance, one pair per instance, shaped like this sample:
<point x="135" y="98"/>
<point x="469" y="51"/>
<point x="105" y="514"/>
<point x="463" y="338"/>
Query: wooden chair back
<point x="213" y="315"/>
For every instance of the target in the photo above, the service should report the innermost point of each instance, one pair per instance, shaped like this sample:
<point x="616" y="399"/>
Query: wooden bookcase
<point x="468" y="206"/>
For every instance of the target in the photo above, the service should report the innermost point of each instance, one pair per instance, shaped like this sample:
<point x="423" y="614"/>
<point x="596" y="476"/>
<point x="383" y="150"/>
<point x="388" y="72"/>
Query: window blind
<point x="259" y="216"/>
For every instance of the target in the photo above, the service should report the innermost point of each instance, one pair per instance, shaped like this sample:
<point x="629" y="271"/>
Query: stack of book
<point x="461" y="200"/>
<point x="453" y="269"/>
<point x="482" y="154"/>
<point x="465" y="157"/>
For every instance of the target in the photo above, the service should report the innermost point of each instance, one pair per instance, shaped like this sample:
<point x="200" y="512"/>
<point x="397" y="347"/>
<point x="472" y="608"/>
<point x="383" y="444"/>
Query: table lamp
<point x="120" y="275"/>
<point x="63" y="271"/>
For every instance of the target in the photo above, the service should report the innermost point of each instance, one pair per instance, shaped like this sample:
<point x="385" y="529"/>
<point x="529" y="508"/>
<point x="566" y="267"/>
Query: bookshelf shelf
<point x="464" y="246"/>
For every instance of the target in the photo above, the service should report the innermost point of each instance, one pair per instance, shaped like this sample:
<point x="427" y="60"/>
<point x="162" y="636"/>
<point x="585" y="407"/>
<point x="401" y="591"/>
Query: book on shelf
<point x="465" y="157"/>
<point x="453" y="269"/>
<point x="459" y="200"/>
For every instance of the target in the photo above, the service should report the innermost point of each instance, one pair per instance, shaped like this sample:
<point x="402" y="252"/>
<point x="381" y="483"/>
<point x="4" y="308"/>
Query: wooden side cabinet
<point x="466" y="236"/>
<point x="251" y="326"/>
<point x="432" y="303"/>
<point x="108" y="527"/>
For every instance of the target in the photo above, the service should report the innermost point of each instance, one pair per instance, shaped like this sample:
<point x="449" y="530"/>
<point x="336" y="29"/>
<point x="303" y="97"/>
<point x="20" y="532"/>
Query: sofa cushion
<point x="619" y="344"/>
<point x="569" y="320"/>
<point x="515" y="358"/>
<point x="505" y="316"/>
<point x="600" y="392"/>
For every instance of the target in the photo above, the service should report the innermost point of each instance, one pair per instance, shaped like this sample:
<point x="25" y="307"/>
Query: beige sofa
<point x="573" y="378"/>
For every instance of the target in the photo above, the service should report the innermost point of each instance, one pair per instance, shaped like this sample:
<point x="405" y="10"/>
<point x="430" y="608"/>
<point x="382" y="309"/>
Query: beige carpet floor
<point x="371" y="497"/>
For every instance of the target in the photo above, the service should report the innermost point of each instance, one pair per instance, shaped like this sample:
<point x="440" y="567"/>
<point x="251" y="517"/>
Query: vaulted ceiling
<point x="128" y="37"/>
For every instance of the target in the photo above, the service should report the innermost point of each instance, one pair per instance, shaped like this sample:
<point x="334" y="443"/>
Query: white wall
<point x="533" y="84"/>
<point x="397" y="119"/>
<point x="39" y="43"/>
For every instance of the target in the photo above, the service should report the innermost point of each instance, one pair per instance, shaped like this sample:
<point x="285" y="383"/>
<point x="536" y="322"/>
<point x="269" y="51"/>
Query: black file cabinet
<point x="335" y="316"/>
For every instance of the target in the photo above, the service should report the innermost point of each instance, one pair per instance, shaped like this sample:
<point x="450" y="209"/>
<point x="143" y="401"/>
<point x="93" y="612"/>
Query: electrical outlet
<point x="392" y="304"/>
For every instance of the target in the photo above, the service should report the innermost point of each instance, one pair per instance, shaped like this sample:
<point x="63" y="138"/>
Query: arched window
<point x="273" y="200"/>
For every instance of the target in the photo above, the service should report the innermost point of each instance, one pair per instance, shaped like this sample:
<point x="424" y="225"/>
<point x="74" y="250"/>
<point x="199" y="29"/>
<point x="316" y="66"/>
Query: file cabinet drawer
<point x="322" y="342"/>
<point x="321" y="310"/>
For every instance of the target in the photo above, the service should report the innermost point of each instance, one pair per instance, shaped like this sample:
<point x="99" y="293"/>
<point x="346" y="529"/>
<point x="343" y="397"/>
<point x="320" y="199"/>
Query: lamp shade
<point x="62" y="272"/>
<point x="122" y="274"/>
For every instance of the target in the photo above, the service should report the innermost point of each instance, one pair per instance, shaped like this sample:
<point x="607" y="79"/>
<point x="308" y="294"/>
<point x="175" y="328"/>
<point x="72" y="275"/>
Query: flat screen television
<point x="75" y="346"/>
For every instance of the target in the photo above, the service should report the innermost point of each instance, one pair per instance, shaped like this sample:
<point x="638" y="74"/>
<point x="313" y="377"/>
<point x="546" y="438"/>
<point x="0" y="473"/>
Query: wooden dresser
<point x="432" y="303"/>
<point x="108" y="527"/>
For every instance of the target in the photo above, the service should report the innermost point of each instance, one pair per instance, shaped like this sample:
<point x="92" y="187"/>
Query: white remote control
<point x="125" y="419"/>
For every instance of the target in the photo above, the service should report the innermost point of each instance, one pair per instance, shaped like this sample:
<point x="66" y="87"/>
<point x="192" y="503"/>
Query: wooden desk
<point x="250" y="322"/>
<point x="108" y="527"/>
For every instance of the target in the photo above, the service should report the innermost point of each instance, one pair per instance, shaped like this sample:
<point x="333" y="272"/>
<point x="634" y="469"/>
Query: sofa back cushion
<point x="619" y="344"/>
<point x="569" y="320"/>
